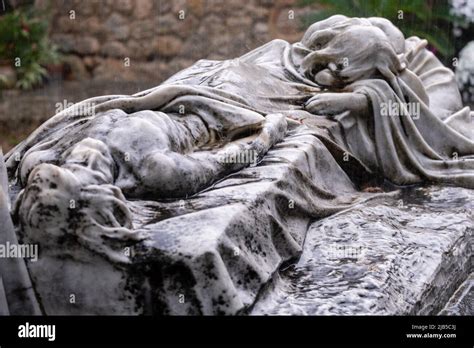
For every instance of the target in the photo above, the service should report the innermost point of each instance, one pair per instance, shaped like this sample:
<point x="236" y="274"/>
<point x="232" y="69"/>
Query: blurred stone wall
<point x="152" y="39"/>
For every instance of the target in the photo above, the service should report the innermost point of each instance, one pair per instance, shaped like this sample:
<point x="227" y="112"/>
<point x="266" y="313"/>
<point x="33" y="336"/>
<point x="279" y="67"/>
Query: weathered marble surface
<point x="462" y="301"/>
<point x="217" y="248"/>
<point x="138" y="207"/>
<point x="16" y="293"/>
<point x="390" y="256"/>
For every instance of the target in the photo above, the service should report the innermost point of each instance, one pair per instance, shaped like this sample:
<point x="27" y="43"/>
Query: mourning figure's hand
<point x="336" y="103"/>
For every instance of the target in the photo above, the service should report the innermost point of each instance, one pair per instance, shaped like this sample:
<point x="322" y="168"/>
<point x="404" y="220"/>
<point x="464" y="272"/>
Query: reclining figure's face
<point x="347" y="51"/>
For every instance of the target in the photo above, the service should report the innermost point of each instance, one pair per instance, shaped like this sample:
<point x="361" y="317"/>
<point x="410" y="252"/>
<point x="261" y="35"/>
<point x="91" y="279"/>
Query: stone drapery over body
<point x="78" y="172"/>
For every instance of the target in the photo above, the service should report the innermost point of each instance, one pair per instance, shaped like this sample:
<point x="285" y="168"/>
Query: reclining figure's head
<point x="345" y="50"/>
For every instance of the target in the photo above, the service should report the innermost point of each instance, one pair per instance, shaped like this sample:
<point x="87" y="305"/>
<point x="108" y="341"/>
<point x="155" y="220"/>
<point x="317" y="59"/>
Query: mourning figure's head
<point x="344" y="50"/>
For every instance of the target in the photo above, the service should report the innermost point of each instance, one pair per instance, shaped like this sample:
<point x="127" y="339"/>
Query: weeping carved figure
<point x="366" y="91"/>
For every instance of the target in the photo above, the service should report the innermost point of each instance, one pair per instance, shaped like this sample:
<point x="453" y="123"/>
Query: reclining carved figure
<point x="171" y="141"/>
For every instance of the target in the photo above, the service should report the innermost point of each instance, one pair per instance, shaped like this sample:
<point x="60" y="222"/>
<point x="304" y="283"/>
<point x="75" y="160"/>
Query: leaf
<point x="24" y="33"/>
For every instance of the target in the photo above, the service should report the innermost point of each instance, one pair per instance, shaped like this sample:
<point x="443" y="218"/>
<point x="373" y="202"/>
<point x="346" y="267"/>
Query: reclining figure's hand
<point x="337" y="103"/>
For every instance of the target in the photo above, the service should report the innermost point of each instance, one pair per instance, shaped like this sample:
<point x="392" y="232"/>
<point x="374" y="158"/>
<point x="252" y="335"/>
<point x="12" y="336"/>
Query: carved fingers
<point x="329" y="104"/>
<point x="326" y="104"/>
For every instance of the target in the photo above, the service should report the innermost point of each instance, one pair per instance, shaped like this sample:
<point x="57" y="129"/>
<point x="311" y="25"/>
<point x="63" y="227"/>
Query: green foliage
<point x="430" y="20"/>
<point x="24" y="44"/>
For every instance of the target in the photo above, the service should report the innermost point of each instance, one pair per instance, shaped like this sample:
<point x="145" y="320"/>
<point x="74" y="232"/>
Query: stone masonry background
<point x="161" y="37"/>
<point x="126" y="46"/>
